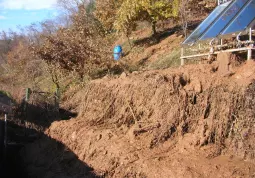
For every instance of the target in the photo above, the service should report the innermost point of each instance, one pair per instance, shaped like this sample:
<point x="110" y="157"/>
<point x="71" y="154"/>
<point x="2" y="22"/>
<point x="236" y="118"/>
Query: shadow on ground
<point x="41" y="115"/>
<point x="32" y="154"/>
<point x="40" y="156"/>
<point x="152" y="40"/>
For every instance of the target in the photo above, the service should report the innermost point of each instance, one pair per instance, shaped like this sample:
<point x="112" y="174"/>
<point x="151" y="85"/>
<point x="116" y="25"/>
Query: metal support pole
<point x="250" y="34"/>
<point x="249" y="55"/>
<point x="5" y="130"/>
<point x="182" y="59"/>
<point x="5" y="136"/>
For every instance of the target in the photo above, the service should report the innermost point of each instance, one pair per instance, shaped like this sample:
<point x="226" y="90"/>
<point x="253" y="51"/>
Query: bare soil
<point x="185" y="122"/>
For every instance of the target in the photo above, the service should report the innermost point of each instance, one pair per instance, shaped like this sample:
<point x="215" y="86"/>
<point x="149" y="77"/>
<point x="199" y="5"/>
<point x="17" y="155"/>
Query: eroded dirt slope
<point x="186" y="122"/>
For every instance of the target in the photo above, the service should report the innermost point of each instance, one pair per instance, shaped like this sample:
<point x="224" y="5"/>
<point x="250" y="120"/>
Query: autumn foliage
<point x="106" y="12"/>
<point x="122" y="15"/>
<point x="80" y="48"/>
<point x="152" y="11"/>
<point x="82" y="41"/>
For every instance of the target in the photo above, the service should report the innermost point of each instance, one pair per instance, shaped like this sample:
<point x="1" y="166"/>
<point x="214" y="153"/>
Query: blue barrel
<point x="117" y="52"/>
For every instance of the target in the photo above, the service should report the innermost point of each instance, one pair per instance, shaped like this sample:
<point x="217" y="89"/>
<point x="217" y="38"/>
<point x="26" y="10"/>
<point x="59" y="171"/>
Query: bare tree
<point x="183" y="10"/>
<point x="49" y="27"/>
<point x="68" y="8"/>
<point x="33" y="33"/>
<point x="71" y="6"/>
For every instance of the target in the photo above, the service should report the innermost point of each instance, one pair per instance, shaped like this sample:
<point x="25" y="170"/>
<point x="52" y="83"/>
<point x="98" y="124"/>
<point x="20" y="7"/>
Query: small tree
<point x="90" y="7"/>
<point x="188" y="8"/>
<point x="152" y="11"/>
<point x="184" y="16"/>
<point x="106" y="12"/>
<point x="78" y="48"/>
<point x="70" y="6"/>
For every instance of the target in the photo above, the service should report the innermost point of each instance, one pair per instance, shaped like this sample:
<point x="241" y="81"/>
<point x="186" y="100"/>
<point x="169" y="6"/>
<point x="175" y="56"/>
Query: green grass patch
<point x="166" y="61"/>
<point x="5" y="93"/>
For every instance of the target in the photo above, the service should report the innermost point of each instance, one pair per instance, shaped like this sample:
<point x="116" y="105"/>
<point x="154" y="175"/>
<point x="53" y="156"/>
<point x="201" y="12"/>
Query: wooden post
<point x="249" y="55"/>
<point x="182" y="59"/>
<point x="28" y="92"/>
<point x="27" y="97"/>
<point x="5" y="136"/>
<point x="2" y="140"/>
<point x="57" y="99"/>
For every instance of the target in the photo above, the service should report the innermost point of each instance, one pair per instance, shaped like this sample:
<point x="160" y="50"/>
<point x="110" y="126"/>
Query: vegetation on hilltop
<point x="78" y="45"/>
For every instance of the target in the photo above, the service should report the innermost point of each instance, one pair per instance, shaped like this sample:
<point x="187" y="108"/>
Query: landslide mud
<point x="187" y="122"/>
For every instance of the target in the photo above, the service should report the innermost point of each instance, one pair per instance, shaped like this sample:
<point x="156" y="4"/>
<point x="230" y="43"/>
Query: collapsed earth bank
<point x="187" y="122"/>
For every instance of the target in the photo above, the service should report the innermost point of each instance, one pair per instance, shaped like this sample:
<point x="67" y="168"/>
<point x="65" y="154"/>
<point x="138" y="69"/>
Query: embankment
<point x="186" y="122"/>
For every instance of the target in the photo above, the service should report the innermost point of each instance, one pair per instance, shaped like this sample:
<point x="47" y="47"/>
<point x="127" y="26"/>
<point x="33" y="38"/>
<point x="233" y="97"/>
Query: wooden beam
<point x="217" y="52"/>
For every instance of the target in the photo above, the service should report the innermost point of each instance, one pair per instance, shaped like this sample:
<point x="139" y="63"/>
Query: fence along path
<point x="5" y="108"/>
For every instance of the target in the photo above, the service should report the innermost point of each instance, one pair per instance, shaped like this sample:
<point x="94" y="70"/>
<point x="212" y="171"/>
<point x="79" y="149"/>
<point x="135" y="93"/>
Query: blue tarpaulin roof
<point x="233" y="16"/>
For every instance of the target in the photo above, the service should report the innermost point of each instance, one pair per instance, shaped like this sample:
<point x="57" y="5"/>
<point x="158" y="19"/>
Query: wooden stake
<point x="249" y="55"/>
<point x="182" y="59"/>
<point x="5" y="137"/>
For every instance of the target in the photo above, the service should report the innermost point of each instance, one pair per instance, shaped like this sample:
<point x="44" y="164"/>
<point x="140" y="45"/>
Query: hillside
<point x="80" y="114"/>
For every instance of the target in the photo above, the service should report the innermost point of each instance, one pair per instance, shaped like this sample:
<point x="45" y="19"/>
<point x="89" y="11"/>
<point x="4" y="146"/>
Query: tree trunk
<point x="153" y="27"/>
<point x="184" y="16"/>
<point x="129" y="42"/>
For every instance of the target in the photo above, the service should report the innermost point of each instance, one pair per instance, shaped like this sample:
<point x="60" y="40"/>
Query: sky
<point x="22" y="13"/>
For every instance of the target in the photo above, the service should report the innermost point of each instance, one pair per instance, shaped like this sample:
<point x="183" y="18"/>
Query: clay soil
<point x="186" y="122"/>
